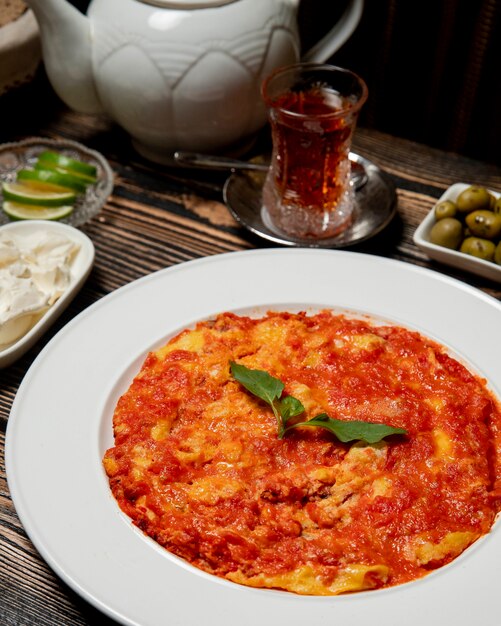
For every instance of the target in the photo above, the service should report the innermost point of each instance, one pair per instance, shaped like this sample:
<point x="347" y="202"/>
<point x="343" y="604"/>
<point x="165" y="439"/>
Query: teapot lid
<point x="187" y="4"/>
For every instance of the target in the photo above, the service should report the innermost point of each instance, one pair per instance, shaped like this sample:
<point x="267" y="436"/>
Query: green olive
<point x="485" y="224"/>
<point x="497" y="206"/>
<point x="480" y="248"/>
<point x="473" y="198"/>
<point x="497" y="254"/>
<point x="492" y="201"/>
<point x="446" y="208"/>
<point x="447" y="232"/>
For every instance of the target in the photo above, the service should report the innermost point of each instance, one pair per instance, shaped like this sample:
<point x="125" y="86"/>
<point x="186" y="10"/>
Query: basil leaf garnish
<point x="258" y="382"/>
<point x="355" y="430"/>
<point x="269" y="389"/>
<point x="262" y="385"/>
<point x="290" y="407"/>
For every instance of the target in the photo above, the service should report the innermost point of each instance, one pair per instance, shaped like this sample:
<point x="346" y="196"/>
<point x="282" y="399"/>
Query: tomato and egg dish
<point x="198" y="465"/>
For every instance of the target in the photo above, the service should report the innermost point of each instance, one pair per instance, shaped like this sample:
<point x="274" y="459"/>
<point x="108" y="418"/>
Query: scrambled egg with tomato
<point x="198" y="466"/>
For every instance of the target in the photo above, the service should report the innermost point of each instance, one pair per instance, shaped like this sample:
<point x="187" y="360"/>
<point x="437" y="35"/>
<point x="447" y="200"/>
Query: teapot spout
<point x="67" y="53"/>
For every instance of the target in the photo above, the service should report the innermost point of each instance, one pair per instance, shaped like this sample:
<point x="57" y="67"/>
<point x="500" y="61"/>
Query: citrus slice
<point x="28" y="194"/>
<point x="18" y="211"/>
<point x="67" y="163"/>
<point x="42" y="164"/>
<point x="53" y="178"/>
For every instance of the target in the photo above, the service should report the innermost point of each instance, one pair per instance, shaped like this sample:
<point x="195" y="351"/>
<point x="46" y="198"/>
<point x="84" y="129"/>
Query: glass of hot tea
<point x="312" y="110"/>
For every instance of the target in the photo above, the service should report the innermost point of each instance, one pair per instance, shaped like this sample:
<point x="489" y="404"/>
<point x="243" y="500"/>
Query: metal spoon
<point x="193" y="159"/>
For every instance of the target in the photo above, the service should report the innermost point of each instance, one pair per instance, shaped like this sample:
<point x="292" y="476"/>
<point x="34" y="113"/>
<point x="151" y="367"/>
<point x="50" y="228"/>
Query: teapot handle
<point x="336" y="37"/>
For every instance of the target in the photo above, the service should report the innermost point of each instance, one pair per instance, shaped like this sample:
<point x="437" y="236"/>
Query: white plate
<point x="80" y="269"/>
<point x="60" y="426"/>
<point x="454" y="258"/>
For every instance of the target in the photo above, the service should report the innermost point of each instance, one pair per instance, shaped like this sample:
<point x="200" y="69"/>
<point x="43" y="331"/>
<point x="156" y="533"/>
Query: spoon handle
<point x="203" y="160"/>
<point x="194" y="159"/>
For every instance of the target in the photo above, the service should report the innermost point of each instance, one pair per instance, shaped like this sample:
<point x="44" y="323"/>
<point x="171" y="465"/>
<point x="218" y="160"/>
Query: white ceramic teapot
<point x="176" y="74"/>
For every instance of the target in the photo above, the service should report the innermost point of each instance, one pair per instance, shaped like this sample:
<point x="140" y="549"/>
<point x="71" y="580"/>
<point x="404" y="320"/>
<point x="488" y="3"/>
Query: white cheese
<point x="35" y="270"/>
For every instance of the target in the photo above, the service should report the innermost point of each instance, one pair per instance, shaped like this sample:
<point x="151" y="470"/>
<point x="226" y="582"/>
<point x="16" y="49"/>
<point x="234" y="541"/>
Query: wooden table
<point x="155" y="218"/>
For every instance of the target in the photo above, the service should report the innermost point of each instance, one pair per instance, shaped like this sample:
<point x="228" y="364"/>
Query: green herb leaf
<point x="353" y="430"/>
<point x="258" y="382"/>
<point x="262" y="385"/>
<point x="290" y="407"/>
<point x="270" y="389"/>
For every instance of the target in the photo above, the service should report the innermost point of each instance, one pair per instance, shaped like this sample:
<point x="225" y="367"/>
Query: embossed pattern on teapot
<point x="174" y="74"/>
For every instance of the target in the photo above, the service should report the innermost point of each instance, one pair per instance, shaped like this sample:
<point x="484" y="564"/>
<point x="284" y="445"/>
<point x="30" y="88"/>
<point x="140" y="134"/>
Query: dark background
<point x="433" y="68"/>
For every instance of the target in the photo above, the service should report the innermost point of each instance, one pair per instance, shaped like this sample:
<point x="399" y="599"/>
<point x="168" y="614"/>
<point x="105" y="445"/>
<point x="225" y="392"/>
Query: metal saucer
<point x="375" y="206"/>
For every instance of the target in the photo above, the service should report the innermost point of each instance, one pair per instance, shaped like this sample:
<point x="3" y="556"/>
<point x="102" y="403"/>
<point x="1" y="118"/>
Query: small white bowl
<point x="80" y="269"/>
<point x="454" y="258"/>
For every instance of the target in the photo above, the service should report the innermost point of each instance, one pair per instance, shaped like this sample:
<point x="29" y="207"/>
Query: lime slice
<point x="67" y="163"/>
<point x="53" y="178"/>
<point x="28" y="194"/>
<point x="42" y="164"/>
<point x="18" y="211"/>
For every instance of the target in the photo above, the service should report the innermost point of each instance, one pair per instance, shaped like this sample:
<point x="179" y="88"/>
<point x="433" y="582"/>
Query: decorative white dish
<point x="80" y="269"/>
<point x="454" y="258"/>
<point x="61" y="424"/>
<point x="23" y="154"/>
